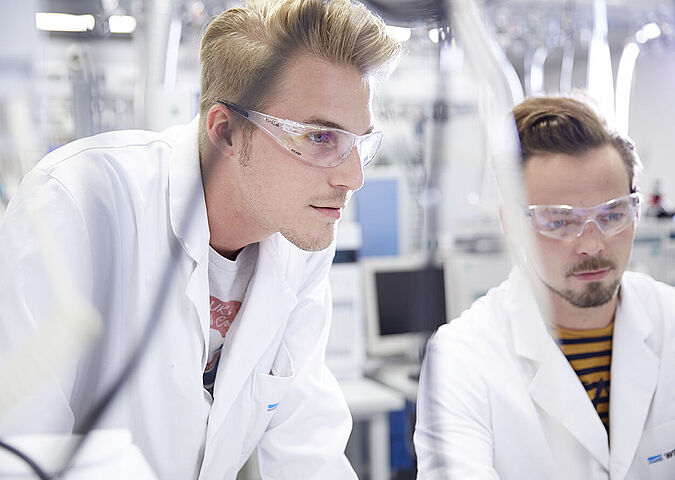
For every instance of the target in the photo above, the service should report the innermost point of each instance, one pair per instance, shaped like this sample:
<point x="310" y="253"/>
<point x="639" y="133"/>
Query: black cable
<point x="29" y="461"/>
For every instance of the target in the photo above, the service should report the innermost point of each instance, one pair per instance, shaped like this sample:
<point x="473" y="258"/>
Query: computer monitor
<point x="405" y="302"/>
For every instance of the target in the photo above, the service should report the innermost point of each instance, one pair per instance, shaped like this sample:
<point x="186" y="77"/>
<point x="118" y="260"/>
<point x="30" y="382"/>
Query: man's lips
<point x="330" y="212"/>
<point x="591" y="275"/>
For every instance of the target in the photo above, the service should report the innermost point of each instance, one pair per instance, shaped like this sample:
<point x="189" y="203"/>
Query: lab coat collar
<point x="189" y="222"/>
<point x="634" y="374"/>
<point x="554" y="385"/>
<point x="187" y="205"/>
<point x="530" y="336"/>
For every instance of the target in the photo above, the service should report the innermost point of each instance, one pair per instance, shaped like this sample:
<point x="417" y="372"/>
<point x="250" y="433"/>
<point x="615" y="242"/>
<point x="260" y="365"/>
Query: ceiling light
<point x="64" y="22"/>
<point x="651" y="30"/>
<point x="402" y="34"/>
<point x="121" y="24"/>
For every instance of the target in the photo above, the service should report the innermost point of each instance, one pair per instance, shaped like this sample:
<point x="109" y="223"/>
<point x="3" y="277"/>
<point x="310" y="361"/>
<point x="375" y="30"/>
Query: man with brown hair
<point x="562" y="371"/>
<point x="243" y="204"/>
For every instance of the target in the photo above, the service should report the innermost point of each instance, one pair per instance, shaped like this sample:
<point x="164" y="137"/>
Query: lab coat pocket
<point x="267" y="394"/>
<point x="656" y="453"/>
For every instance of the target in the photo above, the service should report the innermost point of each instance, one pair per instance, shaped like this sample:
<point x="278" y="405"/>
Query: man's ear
<point x="220" y="128"/>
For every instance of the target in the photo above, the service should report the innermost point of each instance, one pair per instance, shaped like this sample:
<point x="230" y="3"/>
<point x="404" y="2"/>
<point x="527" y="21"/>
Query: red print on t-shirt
<point x="222" y="314"/>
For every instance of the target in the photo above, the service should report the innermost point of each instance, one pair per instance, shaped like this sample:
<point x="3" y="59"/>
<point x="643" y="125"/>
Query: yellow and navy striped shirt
<point x="590" y="354"/>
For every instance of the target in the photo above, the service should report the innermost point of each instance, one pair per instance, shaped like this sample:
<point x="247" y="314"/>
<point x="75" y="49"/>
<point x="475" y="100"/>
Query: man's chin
<point x="593" y="294"/>
<point x="309" y="242"/>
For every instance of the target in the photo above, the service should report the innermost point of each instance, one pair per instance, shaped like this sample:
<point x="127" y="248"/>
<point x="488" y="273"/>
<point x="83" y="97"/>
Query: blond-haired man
<point x="244" y="203"/>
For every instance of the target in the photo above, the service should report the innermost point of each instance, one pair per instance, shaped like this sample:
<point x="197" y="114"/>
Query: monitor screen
<point x="405" y="302"/>
<point x="410" y="300"/>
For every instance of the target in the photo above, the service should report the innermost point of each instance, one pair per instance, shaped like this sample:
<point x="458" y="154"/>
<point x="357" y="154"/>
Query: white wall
<point x="652" y="118"/>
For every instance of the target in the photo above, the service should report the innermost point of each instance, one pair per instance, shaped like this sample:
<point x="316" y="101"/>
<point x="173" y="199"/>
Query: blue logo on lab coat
<point x="655" y="458"/>
<point x="272" y="406"/>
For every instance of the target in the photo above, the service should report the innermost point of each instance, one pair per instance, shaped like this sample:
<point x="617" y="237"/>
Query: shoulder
<point x="638" y="281"/>
<point x="109" y="145"/>
<point x="642" y="289"/>
<point x="484" y="316"/>
<point x="105" y="177"/>
<point x="649" y="298"/>
<point x="109" y="164"/>
<point x="466" y="360"/>
<point x="481" y="328"/>
<point x="112" y="157"/>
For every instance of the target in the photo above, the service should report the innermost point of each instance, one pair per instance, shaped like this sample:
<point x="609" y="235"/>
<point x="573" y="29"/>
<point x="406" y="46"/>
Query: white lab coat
<point x="498" y="399"/>
<point x="115" y="206"/>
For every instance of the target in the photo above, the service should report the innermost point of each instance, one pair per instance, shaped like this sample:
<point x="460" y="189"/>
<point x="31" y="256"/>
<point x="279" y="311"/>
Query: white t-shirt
<point x="228" y="281"/>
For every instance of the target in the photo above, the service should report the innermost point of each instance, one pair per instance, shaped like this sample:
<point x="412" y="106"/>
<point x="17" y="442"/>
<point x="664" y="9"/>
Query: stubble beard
<point x="594" y="294"/>
<point x="311" y="243"/>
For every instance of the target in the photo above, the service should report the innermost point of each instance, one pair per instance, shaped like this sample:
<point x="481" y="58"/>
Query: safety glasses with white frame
<point x="564" y="222"/>
<point x="314" y="144"/>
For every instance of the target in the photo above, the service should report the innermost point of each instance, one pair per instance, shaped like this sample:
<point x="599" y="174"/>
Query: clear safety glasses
<point x="564" y="222"/>
<point x="314" y="144"/>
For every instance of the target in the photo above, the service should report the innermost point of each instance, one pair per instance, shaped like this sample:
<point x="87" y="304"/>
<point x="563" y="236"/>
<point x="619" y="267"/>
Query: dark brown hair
<point x="568" y="126"/>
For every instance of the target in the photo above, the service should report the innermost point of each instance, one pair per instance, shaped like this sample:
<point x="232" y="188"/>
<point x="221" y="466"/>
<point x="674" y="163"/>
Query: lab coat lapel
<point x="187" y="206"/>
<point x="633" y="379"/>
<point x="262" y="319"/>
<point x="554" y="385"/>
<point x="197" y="291"/>
<point x="557" y="390"/>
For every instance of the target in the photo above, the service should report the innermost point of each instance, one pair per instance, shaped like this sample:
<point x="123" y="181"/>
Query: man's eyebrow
<point x="327" y="123"/>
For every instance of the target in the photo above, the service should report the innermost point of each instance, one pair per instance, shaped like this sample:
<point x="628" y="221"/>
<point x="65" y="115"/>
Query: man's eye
<point x="319" y="137"/>
<point x="554" y="224"/>
<point x="612" y="217"/>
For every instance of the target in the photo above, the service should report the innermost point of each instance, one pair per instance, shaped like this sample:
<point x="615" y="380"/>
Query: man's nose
<point x="590" y="239"/>
<point x="349" y="173"/>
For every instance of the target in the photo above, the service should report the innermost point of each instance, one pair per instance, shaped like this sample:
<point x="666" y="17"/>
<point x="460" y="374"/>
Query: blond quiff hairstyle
<point x="243" y="49"/>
